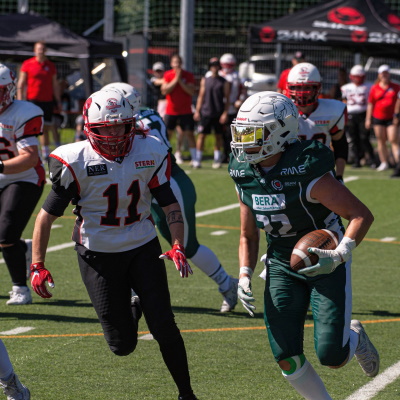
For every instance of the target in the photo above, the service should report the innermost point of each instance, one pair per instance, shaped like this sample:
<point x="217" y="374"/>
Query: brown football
<point x="321" y="238"/>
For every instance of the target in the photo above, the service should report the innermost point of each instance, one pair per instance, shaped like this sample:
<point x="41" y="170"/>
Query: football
<point x="322" y="238"/>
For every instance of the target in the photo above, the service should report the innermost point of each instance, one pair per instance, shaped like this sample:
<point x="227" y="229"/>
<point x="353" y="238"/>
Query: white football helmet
<point x="267" y="122"/>
<point x="357" y="74"/>
<point x="304" y="84"/>
<point x="109" y="109"/>
<point x="228" y="62"/>
<point x="129" y="92"/>
<point x="7" y="87"/>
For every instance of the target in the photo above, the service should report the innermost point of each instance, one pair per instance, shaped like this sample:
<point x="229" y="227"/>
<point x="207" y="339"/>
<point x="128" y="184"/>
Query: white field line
<point x="199" y="214"/>
<point x="372" y="388"/>
<point x="350" y="178"/>
<point x="53" y="248"/>
<point x="17" y="331"/>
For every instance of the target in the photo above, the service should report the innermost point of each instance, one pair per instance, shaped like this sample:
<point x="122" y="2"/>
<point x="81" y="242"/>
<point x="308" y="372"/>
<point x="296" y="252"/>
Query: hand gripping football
<point x="321" y="238"/>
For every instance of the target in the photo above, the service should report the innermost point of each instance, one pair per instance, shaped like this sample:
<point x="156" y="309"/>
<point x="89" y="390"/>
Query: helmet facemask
<point x="7" y="87"/>
<point x="109" y="124"/>
<point x="304" y="94"/>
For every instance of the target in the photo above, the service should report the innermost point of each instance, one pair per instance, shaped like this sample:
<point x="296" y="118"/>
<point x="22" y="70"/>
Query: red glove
<point x="177" y="255"/>
<point x="39" y="276"/>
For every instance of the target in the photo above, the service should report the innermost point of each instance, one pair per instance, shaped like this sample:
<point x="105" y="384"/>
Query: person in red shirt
<point x="178" y="88"/>
<point x="281" y="86"/>
<point x="380" y="111"/>
<point x="38" y="83"/>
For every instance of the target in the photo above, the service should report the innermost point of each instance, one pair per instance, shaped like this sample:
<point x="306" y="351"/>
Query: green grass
<point x="66" y="358"/>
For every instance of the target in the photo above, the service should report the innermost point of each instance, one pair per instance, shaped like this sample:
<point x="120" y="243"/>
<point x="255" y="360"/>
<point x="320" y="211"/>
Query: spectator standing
<point x="298" y="58"/>
<point x="380" y="112"/>
<point x="396" y="173"/>
<point x="116" y="241"/>
<point x="22" y="178"/>
<point x="319" y="119"/>
<point x="178" y="88"/>
<point x="236" y="98"/>
<point x="182" y="186"/>
<point x="287" y="206"/>
<point x="355" y="96"/>
<point x="38" y="83"/>
<point x="9" y="381"/>
<point x="212" y="111"/>
<point x="156" y="81"/>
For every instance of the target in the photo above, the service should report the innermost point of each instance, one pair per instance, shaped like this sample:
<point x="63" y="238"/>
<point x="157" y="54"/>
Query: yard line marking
<point x="372" y="388"/>
<point x="217" y="210"/>
<point x="218" y="233"/>
<point x="350" y="178"/>
<point x="148" y="336"/>
<point x="388" y="239"/>
<point x="16" y="331"/>
<point x="238" y="328"/>
<point x="53" y="248"/>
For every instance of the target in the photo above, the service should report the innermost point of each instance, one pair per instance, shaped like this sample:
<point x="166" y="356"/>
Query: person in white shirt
<point x="355" y="95"/>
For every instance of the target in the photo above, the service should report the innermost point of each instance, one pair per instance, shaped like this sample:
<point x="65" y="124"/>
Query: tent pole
<point x="278" y="60"/>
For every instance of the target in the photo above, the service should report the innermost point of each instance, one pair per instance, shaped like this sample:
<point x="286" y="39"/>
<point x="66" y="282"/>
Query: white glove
<point x="245" y="293"/>
<point x="330" y="259"/>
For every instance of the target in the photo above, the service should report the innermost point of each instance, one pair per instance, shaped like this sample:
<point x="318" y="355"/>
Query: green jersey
<point x="280" y="198"/>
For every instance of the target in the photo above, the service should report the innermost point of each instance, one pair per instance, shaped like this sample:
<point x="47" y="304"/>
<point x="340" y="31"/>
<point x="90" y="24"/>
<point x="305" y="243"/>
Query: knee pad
<point x="296" y="362"/>
<point x="332" y="356"/>
<point x="123" y="349"/>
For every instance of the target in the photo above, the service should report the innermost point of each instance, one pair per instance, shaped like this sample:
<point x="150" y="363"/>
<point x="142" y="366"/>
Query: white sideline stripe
<point x="148" y="336"/>
<point x="53" y="248"/>
<point x="16" y="331"/>
<point x="373" y="387"/>
<point x="388" y="239"/>
<point x="350" y="178"/>
<point x="236" y="205"/>
<point x="218" y="233"/>
<point x="217" y="210"/>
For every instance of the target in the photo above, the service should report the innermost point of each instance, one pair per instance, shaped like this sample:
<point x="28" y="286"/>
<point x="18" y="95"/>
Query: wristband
<point x="246" y="270"/>
<point x="1" y="167"/>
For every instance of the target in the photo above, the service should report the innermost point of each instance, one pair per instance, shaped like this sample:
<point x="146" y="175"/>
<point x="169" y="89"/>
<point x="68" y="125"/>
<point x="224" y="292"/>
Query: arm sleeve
<point x="55" y="203"/>
<point x="164" y="195"/>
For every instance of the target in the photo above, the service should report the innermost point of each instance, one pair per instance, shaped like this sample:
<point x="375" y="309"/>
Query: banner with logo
<point x="361" y="24"/>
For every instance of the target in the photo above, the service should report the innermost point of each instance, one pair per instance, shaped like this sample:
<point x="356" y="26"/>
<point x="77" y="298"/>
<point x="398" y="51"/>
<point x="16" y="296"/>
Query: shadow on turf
<point x="238" y="312"/>
<point x="378" y="313"/>
<point x="46" y="317"/>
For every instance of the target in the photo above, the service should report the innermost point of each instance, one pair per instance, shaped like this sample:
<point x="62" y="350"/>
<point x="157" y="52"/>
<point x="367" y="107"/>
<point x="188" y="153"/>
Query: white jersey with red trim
<point x="20" y="124"/>
<point x="327" y="119"/>
<point x="356" y="97"/>
<point x="113" y="197"/>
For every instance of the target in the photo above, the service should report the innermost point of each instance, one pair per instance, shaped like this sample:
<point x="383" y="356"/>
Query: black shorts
<point x="185" y="121"/>
<point x="207" y="124"/>
<point x="382" y="122"/>
<point x="109" y="277"/>
<point x="47" y="107"/>
<point x="17" y="202"/>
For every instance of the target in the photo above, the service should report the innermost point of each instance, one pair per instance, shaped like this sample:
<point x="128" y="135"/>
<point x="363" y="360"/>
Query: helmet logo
<point x="277" y="185"/>
<point x="112" y="104"/>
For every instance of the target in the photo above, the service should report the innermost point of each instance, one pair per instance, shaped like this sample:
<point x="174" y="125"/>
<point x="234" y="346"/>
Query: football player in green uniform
<point x="287" y="188"/>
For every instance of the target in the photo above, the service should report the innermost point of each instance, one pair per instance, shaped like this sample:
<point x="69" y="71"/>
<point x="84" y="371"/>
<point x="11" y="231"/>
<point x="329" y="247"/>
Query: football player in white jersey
<point x="111" y="178"/>
<point x="355" y="95"/>
<point x="185" y="192"/>
<point x="22" y="177"/>
<point x="320" y="119"/>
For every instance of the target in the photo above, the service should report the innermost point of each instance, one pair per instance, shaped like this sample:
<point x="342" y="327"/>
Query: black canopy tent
<point x="365" y="26"/>
<point x="18" y="33"/>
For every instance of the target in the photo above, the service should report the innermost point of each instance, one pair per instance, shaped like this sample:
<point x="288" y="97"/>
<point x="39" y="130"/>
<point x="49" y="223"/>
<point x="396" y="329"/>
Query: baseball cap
<point x="214" y="61"/>
<point x="299" y="55"/>
<point x="158" y="66"/>
<point x="357" y="70"/>
<point x="383" y="68"/>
